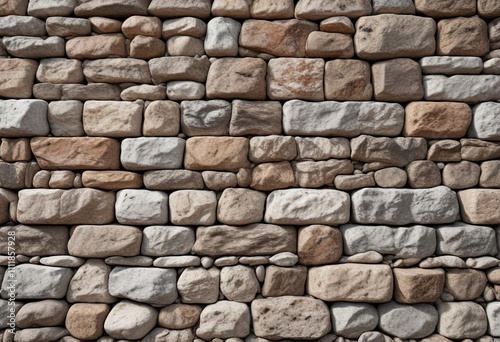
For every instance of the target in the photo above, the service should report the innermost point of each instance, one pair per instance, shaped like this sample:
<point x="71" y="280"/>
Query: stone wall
<point x="250" y="170"/>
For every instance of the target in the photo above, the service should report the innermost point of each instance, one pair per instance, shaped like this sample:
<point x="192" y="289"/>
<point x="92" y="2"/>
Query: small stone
<point x="285" y="259"/>
<point x="322" y="148"/>
<point x="130" y="321"/>
<point x="312" y="174"/>
<point x="216" y="153"/>
<point x="443" y="261"/>
<point x="34" y="47"/>
<point x="221" y="39"/>
<point x="391" y="177"/>
<point x="311" y="10"/>
<point x="14" y="7"/>
<point x="444" y="151"/>
<point x="338" y="24"/>
<point x="485" y="124"/>
<point x="272" y="149"/>
<point x="161" y="118"/>
<point x="261" y="9"/>
<point x="253" y="260"/>
<point x="105" y="25"/>
<point x="226" y="261"/>
<point x="60" y="70"/>
<point x="490" y="174"/>
<point x="465" y="284"/>
<point x="397" y="80"/>
<point x="99" y="46"/>
<point x="416" y="285"/>
<point x="255" y="118"/>
<point x="23" y="118"/>
<point x="111" y="180"/>
<point x="36" y="240"/>
<point x="224" y="319"/>
<point x="199" y="286"/>
<point x="239" y="283"/>
<point x="179" y="316"/>
<point x="192" y="207"/>
<point x="139" y="260"/>
<point x="407" y="321"/>
<point x="329" y="45"/>
<point x="205" y="117"/>
<point x="167" y="240"/>
<point x="143" y="47"/>
<point x="461" y="320"/>
<point x="423" y="174"/>
<point x="393" y="7"/>
<point x="478" y="206"/>
<point x="41" y="334"/>
<point x="173" y="180"/>
<point x="451" y="65"/>
<point x="143" y="92"/>
<point x="92" y="91"/>
<point x="62" y="261"/>
<point x="352" y="182"/>
<point x="185" y="90"/>
<point x="142" y="26"/>
<point x="348" y="80"/>
<point x="241" y="206"/>
<point x="218" y="181"/>
<point x="465" y="240"/>
<point x="351" y="320"/>
<point x="176" y="8"/>
<point x="461" y="175"/>
<point x="86" y="321"/>
<point x="462" y="36"/>
<point x="139" y="154"/>
<point x="12" y="150"/>
<point x="494" y="275"/>
<point x="141" y="207"/>
<point x="68" y="27"/>
<point x="186" y="26"/>
<point x="244" y="177"/>
<point x="492" y="66"/>
<point x="165" y="69"/>
<point x="284" y="281"/>
<point x="177" y="261"/>
<point x="319" y="245"/>
<point x="20" y="25"/>
<point x="44" y="313"/>
<point x="271" y="176"/>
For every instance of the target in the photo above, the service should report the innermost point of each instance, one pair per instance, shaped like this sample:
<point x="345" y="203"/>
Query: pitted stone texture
<point x="129" y="320"/>
<point x="347" y="119"/>
<point x="465" y="240"/>
<point x="94" y="47"/>
<point x="155" y="286"/>
<point x="351" y="283"/>
<point x="443" y="9"/>
<point x="485" y="122"/>
<point x="340" y="24"/>
<point x="205" y="117"/>
<point x="41" y="334"/>
<point x="141" y="207"/>
<point x="239" y="283"/>
<point x="317" y="10"/>
<point x="180" y="8"/>
<point x="387" y="36"/>
<point x="165" y="69"/>
<point x="350" y="320"/>
<point x="314" y="207"/>
<point x="465" y="284"/>
<point x="296" y="78"/>
<point x="161" y="118"/>
<point x="444" y="151"/>
<point x="239" y="9"/>
<point x="216" y="153"/>
<point x="179" y="316"/>
<point x="461" y="320"/>
<point x="173" y="180"/>
<point x="273" y="148"/>
<point x="397" y="80"/>
<point x="105" y="241"/>
<point x="252" y="240"/>
<point x="348" y="80"/>
<point x="480" y="206"/>
<point x="445" y="65"/>
<point x="224" y="319"/>
<point x="111" y="8"/>
<point x="34" y="47"/>
<point x="462" y="36"/>
<point x="462" y="88"/>
<point x="143" y="47"/>
<point x="117" y="70"/>
<point x="417" y="285"/>
<point x="423" y="174"/>
<point x="20" y="25"/>
<point x="262" y="9"/>
<point x="319" y="245"/>
<point x="403" y="242"/>
<point x="407" y="321"/>
<point x="193" y="207"/>
<point x="36" y="240"/>
<point x="139" y="154"/>
<point x="38" y="282"/>
<point x="45" y="8"/>
<point x="44" y="313"/>
<point x="86" y="321"/>
<point x="290" y="317"/>
<point x="198" y="285"/>
<point x="241" y="206"/>
<point x="112" y="118"/>
<point x="255" y="118"/>
<point x="23" y="118"/>
<point x="74" y="206"/>
<point x="284" y="281"/>
<point x="282" y="38"/>
<point x="60" y="70"/>
<point x="272" y="176"/>
<point x="329" y="45"/>
<point x="221" y="39"/>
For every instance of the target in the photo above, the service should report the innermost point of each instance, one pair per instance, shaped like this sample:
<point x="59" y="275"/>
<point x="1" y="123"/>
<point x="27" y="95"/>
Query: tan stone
<point x="488" y="8"/>
<point x="179" y="316"/>
<point x="423" y="174"/>
<point x="417" y="285"/>
<point x="111" y="8"/>
<point x="186" y="26"/>
<point x="219" y="180"/>
<point x="144" y="92"/>
<point x="60" y="70"/>
<point x="337" y="25"/>
<point x="319" y="245"/>
<point x="444" y="151"/>
<point x="348" y="80"/>
<point x="241" y="206"/>
<point x="14" y="7"/>
<point x="185" y="46"/>
<point x="90" y="283"/>
<point x="142" y="26"/>
<point x="391" y="177"/>
<point x="446" y="8"/>
<point x="76" y="153"/>
<point x="238" y="9"/>
<point x="143" y="47"/>
<point x="112" y="118"/>
<point x="353" y="182"/>
<point x="461" y="175"/>
<point x="62" y="179"/>
<point x="166" y="69"/>
<point x="264" y="9"/>
<point x="44" y="313"/>
<point x="480" y="206"/>
<point x="105" y="25"/>
<point x="180" y="8"/>
<point x="91" y="91"/>
<point x="329" y="45"/>
<point x="272" y="176"/>
<point x="67" y="27"/>
<point x="12" y="150"/>
<point x="490" y="174"/>
<point x="284" y="281"/>
<point x="295" y="78"/>
<point x="237" y="78"/>
<point x="99" y="46"/>
<point x="17" y="77"/>
<point x="479" y="150"/>
<point x="216" y="153"/>
<point x="36" y="240"/>
<point x="117" y="70"/>
<point x="314" y="174"/>
<point x="283" y="38"/>
<point x="397" y="80"/>
<point x="351" y="283"/>
<point x="161" y="119"/>
<point x="111" y="180"/>
<point x="493" y="275"/>
<point x="86" y="321"/>
<point x="462" y="37"/>
<point x="464" y="284"/>
<point x="272" y="148"/>
<point x="255" y="118"/>
<point x="317" y="10"/>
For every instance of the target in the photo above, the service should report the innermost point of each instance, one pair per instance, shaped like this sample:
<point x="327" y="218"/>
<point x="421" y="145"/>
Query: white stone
<point x="205" y="117"/>
<point x="462" y="88"/>
<point x="307" y="206"/>
<point x="285" y="259"/>
<point x="407" y="321"/>
<point x="193" y="207"/>
<point x="461" y="320"/>
<point x="485" y="121"/>
<point x="177" y="261"/>
<point x="60" y="71"/>
<point x="404" y="206"/>
<point x="239" y="283"/>
<point x="199" y="286"/>
<point x="164" y="335"/>
<point x="130" y="321"/>
<point x="35" y="47"/>
<point x="347" y="119"/>
<point x="493" y="314"/>
<point x="167" y="240"/>
<point x="90" y="283"/>
<point x="185" y="90"/>
<point x="224" y="319"/>
<point x="222" y="37"/>
<point x="141" y="207"/>
<point x="65" y="118"/>
<point x="318" y="148"/>
<point x="23" y="118"/>
<point x="465" y="240"/>
<point x="350" y="320"/>
<point x="443" y="261"/>
<point x="152" y="153"/>
<point x="155" y="286"/>
<point x="447" y="65"/>
<point x="62" y="261"/>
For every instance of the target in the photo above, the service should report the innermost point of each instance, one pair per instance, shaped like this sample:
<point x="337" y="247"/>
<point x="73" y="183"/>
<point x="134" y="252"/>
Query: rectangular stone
<point x="36" y="240"/>
<point x="23" y="118"/>
<point x="152" y="153"/>
<point x="166" y="69"/>
<point x="117" y="70"/>
<point x="20" y="25"/>
<point x="446" y="65"/>
<point x="100" y="46"/>
<point x="255" y="118"/>
<point x="216" y="153"/>
<point x="462" y="88"/>
<point x="480" y="206"/>
<point x="111" y="8"/>
<point x="77" y="153"/>
<point x="17" y="77"/>
<point x="112" y="118"/>
<point x="91" y="91"/>
<point x="322" y="9"/>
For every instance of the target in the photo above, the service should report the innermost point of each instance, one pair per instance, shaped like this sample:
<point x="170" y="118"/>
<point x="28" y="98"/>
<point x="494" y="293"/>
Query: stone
<point x="205" y="117"/>
<point x="240" y="206"/>
<point x="62" y="260"/>
<point x="143" y="92"/>
<point x="161" y="118"/>
<point x="462" y="36"/>
<point x="319" y="245"/>
<point x="165" y="69"/>
<point x="185" y="46"/>
<point x="180" y="8"/>
<point x="20" y="25"/>
<point x="317" y="148"/>
<point x="351" y="283"/>
<point x="494" y="275"/>
<point x="185" y="26"/>
<point x="447" y="261"/>
<point x="139" y="154"/>
<point x="17" y="175"/>
<point x="221" y="39"/>
<point x="199" y="285"/>
<point x="407" y="321"/>
<point x="252" y="240"/>
<point x="323" y="207"/>
<point x="49" y="312"/>
<point x="478" y="206"/>
<point x="68" y="27"/>
<point x="285" y="259"/>
<point x="94" y="47"/>
<point x="284" y="281"/>
<point x="185" y="90"/>
<point x="370" y="257"/>
<point x="272" y="148"/>
<point x="117" y="70"/>
<point x="48" y="91"/>
<point x="34" y="47"/>
<point x="143" y="47"/>
<point x="488" y="8"/>
<point x="344" y="119"/>
<point x="21" y="118"/>
<point x="465" y="240"/>
<point x="391" y="177"/>
<point x="141" y="26"/>
<point x="461" y="320"/>
<point x="397" y="80"/>
<point x="239" y="283"/>
<point x="160" y="334"/>
<point x="14" y="7"/>
<point x="404" y="242"/>
<point x="490" y="174"/>
<point x="111" y="8"/>
<point x="492" y="312"/>
<point x="112" y="118"/>
<point x="348" y="80"/>
<point x="445" y="9"/>
<point x="38" y="282"/>
<point x="492" y="66"/>
<point x="216" y="153"/>
<point x="261" y="9"/>
<point x="129" y="320"/>
<point x="60" y="70"/>
<point x="281" y="38"/>
<point x="466" y="284"/>
<point x="311" y="10"/>
<point x="105" y="25"/>
<point x="461" y="175"/>
<point x="36" y="240"/>
<point x="173" y="180"/>
<point x="478" y="150"/>
<point x="90" y="283"/>
<point x="255" y="118"/>
<point x="314" y="174"/>
<point x="459" y="88"/>
<point x="177" y="261"/>
<point x="444" y="151"/>
<point x="423" y="174"/>
<point x="290" y="317"/>
<point x="155" y="286"/>
<point x="416" y="285"/>
<point x="295" y="78"/>
<point x="76" y="153"/>
<point x="352" y="182"/>
<point x="393" y="7"/>
<point x="12" y="150"/>
<point x="141" y="207"/>
<point x="445" y="65"/>
<point x="105" y="241"/>
<point x="351" y="320"/>
<point x="91" y="91"/>
<point x="381" y="36"/>
<point x="485" y="124"/>
<point x="179" y="316"/>
<point x="192" y="207"/>
<point x="224" y="319"/>
<point x="86" y="321"/>
<point x="329" y="45"/>
<point x="41" y="334"/>
<point x="111" y="180"/>
<point x="338" y="24"/>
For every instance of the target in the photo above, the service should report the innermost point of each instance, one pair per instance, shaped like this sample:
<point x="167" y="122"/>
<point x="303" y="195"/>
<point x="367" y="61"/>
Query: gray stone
<point x="408" y="321"/>
<point x="60" y="71"/>
<point x="44" y="313"/>
<point x="255" y="118"/>
<point x="167" y="240"/>
<point x="17" y="175"/>
<point x="350" y="320"/>
<point x="273" y="148"/>
<point x="465" y="240"/>
<point x="23" y="118"/>
<point x="130" y="321"/>
<point x="36" y="240"/>
<point x="173" y="180"/>
<point x="152" y="153"/>
<point x="461" y="320"/>
<point x="90" y="283"/>
<point x="201" y="118"/>
<point x="239" y="283"/>
<point x="314" y="10"/>
<point x="41" y="334"/>
<point x="485" y="124"/>
<point x="177" y="261"/>
<point x="141" y="207"/>
<point x="35" y="47"/>
<point x="193" y="207"/>
<point x="68" y="27"/>
<point x="185" y="90"/>
<point x="62" y="261"/>
<point x="117" y="70"/>
<point x="490" y="174"/>
<point x="241" y="206"/>
<point x="165" y="69"/>
<point x="393" y="6"/>
<point x="462" y="88"/>
<point x="285" y="259"/>
<point x="493" y="314"/>
<point x="492" y="66"/>
<point x="221" y="39"/>
<point x="111" y="8"/>
<point x="318" y="148"/>
<point x="219" y="180"/>
<point x="404" y="206"/>
<point x="446" y="65"/>
<point x="224" y="319"/>
<point x="166" y="335"/>
<point x="19" y="25"/>
<point x="199" y="286"/>
<point x="139" y="260"/>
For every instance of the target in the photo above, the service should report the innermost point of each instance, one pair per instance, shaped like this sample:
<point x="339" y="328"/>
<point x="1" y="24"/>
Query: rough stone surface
<point x="141" y="207"/>
<point x="23" y="118"/>
<point x="36" y="240"/>
<point x="112" y="118"/>
<point x="179" y="69"/>
<point x="205" y="117"/>
<point x="94" y="47"/>
<point x="329" y="45"/>
<point x="464" y="284"/>
<point x="49" y="312"/>
<point x="152" y="153"/>
<point x="460" y="88"/>
<point x="319" y="245"/>
<point x="465" y="240"/>
<point x="407" y="321"/>
<point x="239" y="283"/>
<point x="423" y="174"/>
<point x="199" y="286"/>
<point x="193" y="207"/>
<point x="221" y="39"/>
<point x="255" y="117"/>
<point x="416" y="285"/>
<point x="447" y="65"/>
<point x="485" y="124"/>
<point x="173" y="180"/>
<point x="216" y="154"/>
<point x="462" y="36"/>
<point x="240" y="206"/>
<point x="179" y="316"/>
<point x="478" y="206"/>
<point x="86" y="321"/>
<point x="348" y="80"/>
<point x="312" y="10"/>
<point x="284" y="281"/>
<point x="129" y="320"/>
<point x="397" y="80"/>
<point x="351" y="320"/>
<point x="461" y="320"/>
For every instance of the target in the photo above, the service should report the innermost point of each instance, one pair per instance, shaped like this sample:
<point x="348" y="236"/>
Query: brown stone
<point x="488" y="8"/>
<point x="76" y="153"/>
<point x="272" y="176"/>
<point x="264" y="9"/>
<point x="479" y="150"/>
<point x="179" y="316"/>
<point x="464" y="284"/>
<point x="282" y="38"/>
<point x="86" y="321"/>
<point x="284" y="281"/>
<point x="255" y="118"/>
<point x="391" y="177"/>
<point x="317" y="10"/>
<point x="219" y="180"/>
<point x="272" y="148"/>
<point x="36" y="240"/>
<point x="185" y="46"/>
<point x="493" y="275"/>
<point x="423" y="174"/>
<point x="353" y="182"/>
<point x="490" y="174"/>
<point x="99" y="46"/>
<point x="17" y="77"/>
<point x="216" y="153"/>
<point x="348" y="80"/>
<point x="241" y="206"/>
<point x="444" y="151"/>
<point x="397" y="80"/>
<point x="461" y="175"/>
<point x="105" y="25"/>
<point x="141" y="26"/>
<point x="111" y="180"/>
<point x="184" y="68"/>
<point x="314" y="174"/>
<point x="329" y="45"/>
<point x="14" y="7"/>
<point x="117" y="70"/>
<point x="319" y="245"/>
<point x="417" y="285"/>
<point x="180" y="8"/>
<point x="90" y="283"/>
<point x="446" y="8"/>
<point x="12" y="150"/>
<point x="237" y="78"/>
<point x="462" y="37"/>
<point x="111" y="8"/>
<point x="45" y="313"/>
<point x="437" y="120"/>
<point x="91" y="91"/>
<point x="161" y="119"/>
<point x="480" y="206"/>
<point x="337" y="25"/>
<point x="143" y="47"/>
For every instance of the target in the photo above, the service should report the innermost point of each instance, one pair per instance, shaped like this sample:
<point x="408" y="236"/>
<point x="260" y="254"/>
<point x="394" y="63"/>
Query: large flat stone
<point x="130" y="321"/>
<point x="112" y="118"/>
<point x="255" y="118"/>
<point x="99" y="46"/>
<point x="451" y="65"/>
<point x="480" y="206"/>
<point x="111" y="8"/>
<point x="60" y="71"/>
<point x="165" y="69"/>
<point x="418" y="285"/>
<point x="216" y="153"/>
<point x="152" y="153"/>
<point x="462" y="88"/>
<point x="224" y="319"/>
<point x="180" y="8"/>
<point x="485" y="121"/>
<point x="23" y="118"/>
<point x="17" y="77"/>
<point x="205" y="117"/>
<point x="461" y="320"/>
<point x="345" y="119"/>
<point x="20" y="25"/>
<point x="36" y="240"/>
<point x="323" y="9"/>
<point x="117" y="70"/>
<point x="353" y="319"/>
<point x="35" y="47"/>
<point x="404" y="206"/>
<point x="465" y="240"/>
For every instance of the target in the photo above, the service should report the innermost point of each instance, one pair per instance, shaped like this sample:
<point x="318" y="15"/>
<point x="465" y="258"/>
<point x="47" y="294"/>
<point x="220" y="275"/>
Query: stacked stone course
<point x="250" y="170"/>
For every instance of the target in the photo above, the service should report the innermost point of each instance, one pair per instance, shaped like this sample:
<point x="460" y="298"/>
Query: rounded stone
<point x="423" y="174"/>
<point x="461" y="320"/>
<point x="239" y="283"/>
<point x="179" y="316"/>
<point x="130" y="321"/>
<point x="391" y="177"/>
<point x="407" y="321"/>
<point x="350" y="320"/>
<point x="461" y="175"/>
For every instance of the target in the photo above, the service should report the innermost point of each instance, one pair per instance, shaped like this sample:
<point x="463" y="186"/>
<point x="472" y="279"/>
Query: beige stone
<point x="241" y="206"/>
<point x="488" y="8"/>
<point x="197" y="285"/>
<point x="44" y="313"/>
<point x="490" y="174"/>
<point x="186" y="26"/>
<point x="68" y="27"/>
<point x="284" y="281"/>
<point x="161" y="119"/>
<point x="462" y="37"/>
<point x="447" y="8"/>
<point x="272" y="148"/>
<point x="62" y="179"/>
<point x="17" y="175"/>
<point x="91" y="91"/>
<point x="216" y="153"/>
<point x="461" y="175"/>
<point x="444" y="151"/>
<point x="86" y="321"/>
<point x="180" y="8"/>
<point x="173" y="180"/>
<point x="272" y="176"/>
<point x="118" y="119"/>
<point x="60" y="70"/>
<point x="255" y="118"/>
<point x="479" y="206"/>
<point x="423" y="174"/>
<point x="479" y="150"/>
<point x="239" y="283"/>
<point x="262" y="9"/>
<point x="111" y="8"/>
<point x="13" y="7"/>
<point x="338" y="24"/>
<point x="397" y="80"/>
<point x="76" y="153"/>
<point x="295" y="78"/>
<point x="34" y="47"/>
<point x="314" y="174"/>
<point x="185" y="46"/>
<point x="192" y="207"/>
<point x="166" y="69"/>
<point x="282" y="38"/>
<point x="142" y="26"/>
<point x="318" y="148"/>
<point x="179" y="316"/>
<point x="319" y="245"/>
<point x="353" y="182"/>
<point x="99" y="46"/>
<point x="12" y="150"/>
<point x="111" y="180"/>
<point x="219" y="180"/>
<point x="465" y="284"/>
<point x="417" y="285"/>
<point x="105" y="25"/>
<point x="143" y="47"/>
<point x="329" y="45"/>
<point x="117" y="70"/>
<point x="17" y="77"/>
<point x="317" y="10"/>
<point x="493" y="275"/>
<point x="90" y="283"/>
<point x="391" y="177"/>
<point x="36" y="240"/>
<point x="348" y="80"/>
<point x="143" y="92"/>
